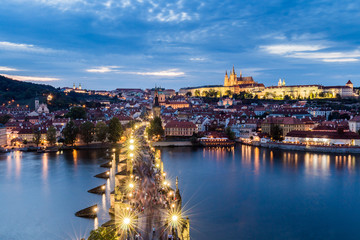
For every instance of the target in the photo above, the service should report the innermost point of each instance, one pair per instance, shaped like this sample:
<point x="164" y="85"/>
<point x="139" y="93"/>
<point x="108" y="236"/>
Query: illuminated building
<point x="234" y="85"/>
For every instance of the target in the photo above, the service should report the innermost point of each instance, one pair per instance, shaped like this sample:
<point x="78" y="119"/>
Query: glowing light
<point x="95" y="209"/>
<point x="126" y="221"/>
<point x="174" y="218"/>
<point x="131" y="185"/>
<point x="131" y="155"/>
<point x="103" y="187"/>
<point x="107" y="173"/>
<point x="132" y="147"/>
<point x="131" y="140"/>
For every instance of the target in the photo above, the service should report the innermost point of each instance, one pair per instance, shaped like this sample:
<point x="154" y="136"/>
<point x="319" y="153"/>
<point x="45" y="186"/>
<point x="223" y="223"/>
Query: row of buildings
<point x="234" y="84"/>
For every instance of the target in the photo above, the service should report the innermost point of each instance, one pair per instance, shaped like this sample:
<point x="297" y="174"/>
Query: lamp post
<point x="126" y="223"/>
<point x="175" y="221"/>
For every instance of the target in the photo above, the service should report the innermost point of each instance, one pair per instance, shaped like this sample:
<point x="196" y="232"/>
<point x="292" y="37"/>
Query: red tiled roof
<point x="180" y="124"/>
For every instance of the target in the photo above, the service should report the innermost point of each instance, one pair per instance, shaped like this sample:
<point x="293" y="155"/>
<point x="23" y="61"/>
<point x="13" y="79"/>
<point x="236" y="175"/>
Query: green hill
<point x="24" y="93"/>
<point x="19" y="91"/>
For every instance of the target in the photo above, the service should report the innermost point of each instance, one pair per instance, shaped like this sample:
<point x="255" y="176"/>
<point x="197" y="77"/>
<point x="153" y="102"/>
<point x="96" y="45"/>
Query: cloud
<point x="171" y="16"/>
<point x="167" y="73"/>
<point x="10" y="46"/>
<point x="31" y="78"/>
<point x="341" y="60"/>
<point x="115" y="69"/>
<point x="103" y="69"/>
<point x="197" y="59"/>
<point x="312" y="51"/>
<point x="8" y="69"/>
<point x="290" y="48"/>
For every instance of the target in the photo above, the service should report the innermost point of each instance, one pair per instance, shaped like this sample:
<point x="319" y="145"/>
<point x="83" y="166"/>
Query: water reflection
<point x="18" y="158"/>
<point x="45" y="166"/>
<point x="343" y="162"/>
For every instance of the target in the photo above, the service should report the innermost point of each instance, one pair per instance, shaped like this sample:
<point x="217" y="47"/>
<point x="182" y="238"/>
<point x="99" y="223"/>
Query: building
<point x="329" y="137"/>
<point x="354" y="124"/>
<point x="307" y="91"/>
<point x="180" y="129"/>
<point x="232" y="85"/>
<point x="156" y="106"/>
<point x="3" y="136"/>
<point x="287" y="124"/>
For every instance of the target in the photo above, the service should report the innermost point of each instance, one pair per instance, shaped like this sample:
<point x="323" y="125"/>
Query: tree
<point x="205" y="93"/>
<point x="4" y="118"/>
<point x="70" y="132"/>
<point x="212" y="93"/>
<point x="115" y="130"/>
<point x="77" y="113"/>
<point x="188" y="94"/>
<point x="229" y="93"/>
<point x="51" y="135"/>
<point x="197" y="93"/>
<point x="36" y="136"/>
<point x="229" y="133"/>
<point x="276" y="132"/>
<point x="155" y="127"/>
<point x="86" y="132"/>
<point x="101" y="131"/>
<point x="103" y="233"/>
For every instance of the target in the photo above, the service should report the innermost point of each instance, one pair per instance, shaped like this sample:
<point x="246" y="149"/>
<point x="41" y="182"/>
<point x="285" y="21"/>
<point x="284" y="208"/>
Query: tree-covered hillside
<point x="17" y="90"/>
<point x="24" y="93"/>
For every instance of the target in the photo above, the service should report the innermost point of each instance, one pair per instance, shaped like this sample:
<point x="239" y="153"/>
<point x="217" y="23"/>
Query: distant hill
<point x="17" y="90"/>
<point x="24" y="93"/>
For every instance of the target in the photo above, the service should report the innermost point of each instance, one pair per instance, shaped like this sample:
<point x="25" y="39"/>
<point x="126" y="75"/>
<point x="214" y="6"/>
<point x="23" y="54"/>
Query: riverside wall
<point x="309" y="148"/>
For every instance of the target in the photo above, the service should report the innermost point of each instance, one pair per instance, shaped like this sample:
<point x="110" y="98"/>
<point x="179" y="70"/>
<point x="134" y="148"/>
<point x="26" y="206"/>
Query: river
<point x="241" y="193"/>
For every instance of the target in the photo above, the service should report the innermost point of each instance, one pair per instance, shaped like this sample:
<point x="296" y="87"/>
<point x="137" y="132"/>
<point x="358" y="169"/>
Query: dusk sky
<point x="139" y="43"/>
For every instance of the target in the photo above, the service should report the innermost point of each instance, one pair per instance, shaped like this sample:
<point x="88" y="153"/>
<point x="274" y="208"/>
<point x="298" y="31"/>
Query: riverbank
<point x="306" y="148"/>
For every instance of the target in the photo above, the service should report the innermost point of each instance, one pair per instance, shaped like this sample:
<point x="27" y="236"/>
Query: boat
<point x="51" y="149"/>
<point x="216" y="142"/>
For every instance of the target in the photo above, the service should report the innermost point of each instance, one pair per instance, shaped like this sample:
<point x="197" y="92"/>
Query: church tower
<point x="156" y="107"/>
<point x="283" y="82"/>
<point x="37" y="104"/>
<point x="279" y="83"/>
<point x="226" y="80"/>
<point x="233" y="77"/>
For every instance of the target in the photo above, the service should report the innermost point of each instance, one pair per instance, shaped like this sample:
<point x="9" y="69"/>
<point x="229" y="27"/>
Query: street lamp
<point x="132" y="147"/>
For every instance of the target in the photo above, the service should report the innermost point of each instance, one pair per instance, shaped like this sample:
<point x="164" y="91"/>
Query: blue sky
<point x="108" y="44"/>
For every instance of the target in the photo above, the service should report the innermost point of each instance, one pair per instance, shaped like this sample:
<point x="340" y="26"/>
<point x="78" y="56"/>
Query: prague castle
<point x="234" y="85"/>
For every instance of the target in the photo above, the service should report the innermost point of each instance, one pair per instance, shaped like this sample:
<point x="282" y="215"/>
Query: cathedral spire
<point x="233" y="70"/>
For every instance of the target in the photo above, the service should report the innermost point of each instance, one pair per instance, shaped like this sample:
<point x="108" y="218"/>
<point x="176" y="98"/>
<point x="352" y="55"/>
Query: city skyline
<point x="119" y="44"/>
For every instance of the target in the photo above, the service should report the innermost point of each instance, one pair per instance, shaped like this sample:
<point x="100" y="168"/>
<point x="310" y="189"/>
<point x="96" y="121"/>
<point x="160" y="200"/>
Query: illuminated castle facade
<point x="234" y="84"/>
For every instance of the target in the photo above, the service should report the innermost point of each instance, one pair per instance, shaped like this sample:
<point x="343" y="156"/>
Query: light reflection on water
<point x="40" y="193"/>
<point x="256" y="193"/>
